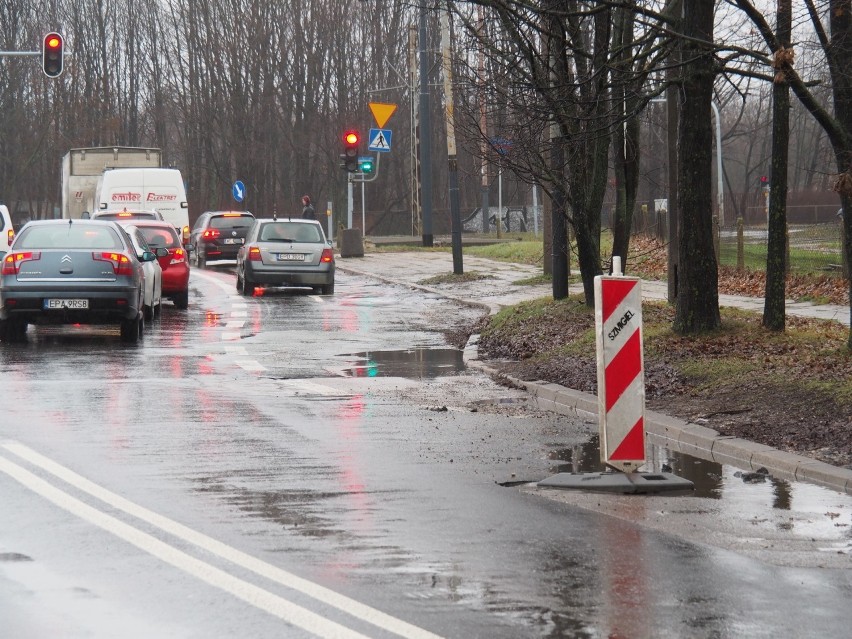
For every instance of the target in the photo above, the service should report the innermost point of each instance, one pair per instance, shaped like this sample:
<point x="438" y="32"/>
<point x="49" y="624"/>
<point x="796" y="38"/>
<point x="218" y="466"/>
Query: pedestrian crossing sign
<point x="380" y="140"/>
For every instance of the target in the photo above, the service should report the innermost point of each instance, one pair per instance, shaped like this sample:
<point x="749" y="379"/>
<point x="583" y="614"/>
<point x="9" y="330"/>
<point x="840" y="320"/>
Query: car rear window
<point x="231" y="222"/>
<point x="70" y="236"/>
<point x="160" y="237"/>
<point x="290" y="231"/>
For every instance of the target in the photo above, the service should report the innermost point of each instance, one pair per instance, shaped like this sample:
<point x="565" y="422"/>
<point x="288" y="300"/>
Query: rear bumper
<point x="105" y="307"/>
<point x="278" y="276"/>
<point x="220" y="252"/>
<point x="175" y="280"/>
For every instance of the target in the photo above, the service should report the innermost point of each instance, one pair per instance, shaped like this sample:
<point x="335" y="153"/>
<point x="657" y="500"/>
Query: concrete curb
<point x="691" y="439"/>
<point x="663" y="430"/>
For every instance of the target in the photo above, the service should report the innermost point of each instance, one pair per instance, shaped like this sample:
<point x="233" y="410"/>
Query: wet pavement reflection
<point x="812" y="509"/>
<point x="341" y="438"/>
<point x="411" y="363"/>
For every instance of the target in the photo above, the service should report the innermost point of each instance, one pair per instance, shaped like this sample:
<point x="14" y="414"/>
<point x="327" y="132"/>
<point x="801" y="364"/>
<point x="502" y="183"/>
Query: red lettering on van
<point x="159" y="197"/>
<point x="127" y="197"/>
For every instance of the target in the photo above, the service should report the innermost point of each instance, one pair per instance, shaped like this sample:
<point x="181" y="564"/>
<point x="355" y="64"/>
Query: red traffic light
<point x="52" y="54"/>
<point x="351" y="141"/>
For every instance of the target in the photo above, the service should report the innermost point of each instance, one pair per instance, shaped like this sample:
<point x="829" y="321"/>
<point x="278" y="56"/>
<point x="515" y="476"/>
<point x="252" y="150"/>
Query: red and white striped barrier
<point x="621" y="371"/>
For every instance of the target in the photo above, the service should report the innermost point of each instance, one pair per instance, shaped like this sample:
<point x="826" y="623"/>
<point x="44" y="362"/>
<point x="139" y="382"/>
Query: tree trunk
<point x="697" y="308"/>
<point x="626" y="140"/>
<point x="776" y="255"/>
<point x="840" y="21"/>
<point x="558" y="221"/>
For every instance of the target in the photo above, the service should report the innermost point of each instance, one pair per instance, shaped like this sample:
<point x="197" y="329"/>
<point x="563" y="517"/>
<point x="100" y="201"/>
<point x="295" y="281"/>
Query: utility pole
<point x="425" y="135"/>
<point x="455" y="214"/>
<point x="483" y="124"/>
<point x="672" y="113"/>
<point x="416" y="215"/>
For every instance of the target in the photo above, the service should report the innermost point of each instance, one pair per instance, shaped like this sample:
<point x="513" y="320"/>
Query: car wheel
<point x="328" y="289"/>
<point x="148" y="312"/>
<point x="247" y="287"/>
<point x="181" y="300"/>
<point x="200" y="260"/>
<point x="131" y="330"/>
<point x="239" y="283"/>
<point x="13" y="331"/>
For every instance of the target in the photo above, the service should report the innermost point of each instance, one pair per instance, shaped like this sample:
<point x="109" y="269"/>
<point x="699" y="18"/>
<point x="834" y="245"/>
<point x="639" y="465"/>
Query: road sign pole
<point x="349" y="204"/>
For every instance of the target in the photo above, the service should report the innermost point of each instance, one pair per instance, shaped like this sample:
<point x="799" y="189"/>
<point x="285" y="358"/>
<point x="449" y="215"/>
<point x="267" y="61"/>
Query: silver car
<point x="72" y="272"/>
<point x="287" y="253"/>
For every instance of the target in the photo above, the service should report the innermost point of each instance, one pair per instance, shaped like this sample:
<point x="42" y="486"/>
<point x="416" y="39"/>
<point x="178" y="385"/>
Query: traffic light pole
<point x="363" y="179"/>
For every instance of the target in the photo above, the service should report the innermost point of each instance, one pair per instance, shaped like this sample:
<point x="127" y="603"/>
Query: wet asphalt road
<point x="292" y="465"/>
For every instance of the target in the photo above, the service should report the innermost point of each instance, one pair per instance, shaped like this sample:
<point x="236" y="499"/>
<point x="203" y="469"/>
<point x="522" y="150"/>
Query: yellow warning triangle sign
<point x="382" y="112"/>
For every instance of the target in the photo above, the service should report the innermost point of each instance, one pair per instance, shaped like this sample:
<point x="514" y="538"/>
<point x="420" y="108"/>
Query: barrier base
<point x="623" y="483"/>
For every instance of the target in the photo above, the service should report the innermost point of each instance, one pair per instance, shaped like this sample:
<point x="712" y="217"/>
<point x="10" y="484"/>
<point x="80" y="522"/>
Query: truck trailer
<point x="82" y="168"/>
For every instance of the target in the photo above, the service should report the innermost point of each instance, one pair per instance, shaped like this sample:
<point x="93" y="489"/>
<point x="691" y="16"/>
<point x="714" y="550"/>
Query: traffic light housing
<point x="52" y="54"/>
<point x="366" y="165"/>
<point x="351" y="142"/>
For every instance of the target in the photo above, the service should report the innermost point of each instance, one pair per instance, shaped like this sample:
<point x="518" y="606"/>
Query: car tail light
<point x="185" y="234"/>
<point x="10" y="236"/>
<point x="327" y="255"/>
<point x="12" y="262"/>
<point x="121" y="264"/>
<point x="210" y="234"/>
<point x="254" y="254"/>
<point x="178" y="256"/>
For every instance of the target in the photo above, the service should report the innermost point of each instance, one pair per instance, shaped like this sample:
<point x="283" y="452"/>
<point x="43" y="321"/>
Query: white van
<point x="158" y="189"/>
<point x="7" y="230"/>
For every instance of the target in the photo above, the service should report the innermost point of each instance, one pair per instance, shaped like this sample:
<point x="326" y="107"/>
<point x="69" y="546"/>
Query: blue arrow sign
<point x="380" y="140"/>
<point x="239" y="191"/>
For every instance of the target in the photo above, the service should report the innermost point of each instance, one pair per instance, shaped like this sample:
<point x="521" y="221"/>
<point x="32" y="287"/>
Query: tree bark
<point x="697" y="308"/>
<point x="776" y="255"/>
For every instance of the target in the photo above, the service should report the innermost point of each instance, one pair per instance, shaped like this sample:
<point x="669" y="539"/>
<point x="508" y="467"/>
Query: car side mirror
<point x="148" y="256"/>
<point x="162" y="252"/>
<point x="189" y="247"/>
<point x="84" y="215"/>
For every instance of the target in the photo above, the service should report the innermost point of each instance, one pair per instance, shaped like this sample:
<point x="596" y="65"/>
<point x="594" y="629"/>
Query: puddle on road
<point x="412" y="363"/>
<point x="822" y="508"/>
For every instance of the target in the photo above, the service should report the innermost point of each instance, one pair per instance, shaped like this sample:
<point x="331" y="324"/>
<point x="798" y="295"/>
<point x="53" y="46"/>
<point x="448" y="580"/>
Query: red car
<point x="175" y="265"/>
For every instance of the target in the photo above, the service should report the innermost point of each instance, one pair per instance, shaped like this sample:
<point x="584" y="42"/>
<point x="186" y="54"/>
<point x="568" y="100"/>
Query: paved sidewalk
<point x="500" y="290"/>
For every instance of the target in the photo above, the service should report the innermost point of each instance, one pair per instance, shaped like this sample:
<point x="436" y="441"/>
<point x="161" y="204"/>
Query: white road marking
<point x="228" y="287"/>
<point x="244" y="560"/>
<point x="244" y="590"/>
<point x="235" y="350"/>
<point x="230" y="337"/>
<point x="235" y="324"/>
<point x="310" y="387"/>
<point x="250" y="365"/>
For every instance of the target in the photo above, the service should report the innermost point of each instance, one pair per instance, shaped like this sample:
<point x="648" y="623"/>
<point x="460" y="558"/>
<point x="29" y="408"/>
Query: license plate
<point x="64" y="303"/>
<point x="291" y="257"/>
<point x="233" y="240"/>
